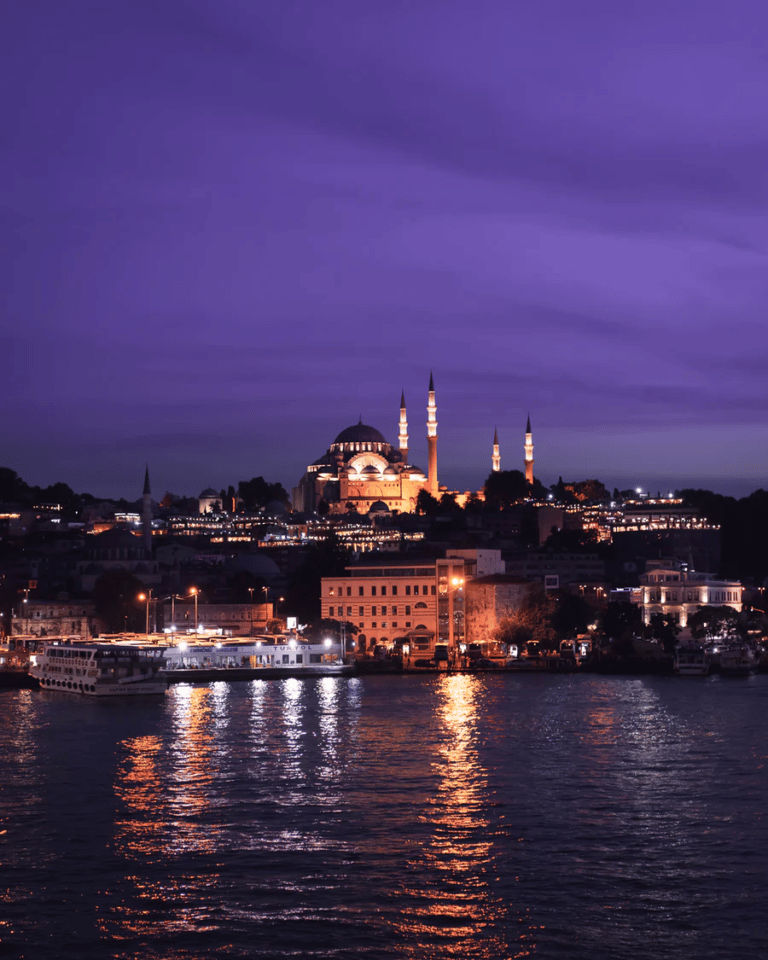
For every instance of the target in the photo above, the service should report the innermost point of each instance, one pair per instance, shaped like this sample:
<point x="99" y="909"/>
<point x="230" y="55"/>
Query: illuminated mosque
<point x="362" y="473"/>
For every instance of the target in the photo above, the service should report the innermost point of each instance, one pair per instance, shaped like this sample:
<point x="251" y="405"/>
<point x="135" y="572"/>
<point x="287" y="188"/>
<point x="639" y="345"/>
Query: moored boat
<point x="738" y="662"/>
<point x="99" y="669"/>
<point x="693" y="662"/>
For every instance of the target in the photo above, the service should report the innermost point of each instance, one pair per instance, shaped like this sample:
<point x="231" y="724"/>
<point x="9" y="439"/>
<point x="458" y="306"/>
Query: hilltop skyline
<point x="232" y="231"/>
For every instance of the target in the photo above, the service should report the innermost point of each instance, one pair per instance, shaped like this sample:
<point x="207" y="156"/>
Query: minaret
<point x="528" y="451"/>
<point x="146" y="514"/>
<point x="496" y="457"/>
<point x="432" y="485"/>
<point x="403" y="437"/>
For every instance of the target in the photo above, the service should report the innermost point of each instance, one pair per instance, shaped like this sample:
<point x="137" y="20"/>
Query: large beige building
<point x="407" y="603"/>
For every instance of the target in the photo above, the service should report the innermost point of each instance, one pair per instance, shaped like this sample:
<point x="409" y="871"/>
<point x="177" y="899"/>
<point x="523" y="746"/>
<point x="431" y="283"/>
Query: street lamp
<point x="194" y="592"/>
<point x="148" y="597"/>
<point x="250" y="590"/>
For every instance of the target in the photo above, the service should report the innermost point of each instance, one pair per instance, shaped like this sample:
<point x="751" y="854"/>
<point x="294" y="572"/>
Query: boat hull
<point x="151" y="688"/>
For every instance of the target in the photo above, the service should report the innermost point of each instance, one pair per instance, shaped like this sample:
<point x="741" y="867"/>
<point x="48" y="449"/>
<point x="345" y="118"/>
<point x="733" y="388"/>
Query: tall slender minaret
<point x="496" y="457"/>
<point x="432" y="438"/>
<point x="403" y="437"/>
<point x="146" y="514"/>
<point x="528" y="451"/>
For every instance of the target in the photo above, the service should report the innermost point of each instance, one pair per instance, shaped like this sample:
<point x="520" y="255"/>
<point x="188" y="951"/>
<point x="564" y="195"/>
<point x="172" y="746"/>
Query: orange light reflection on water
<point x="459" y="910"/>
<point x="166" y="801"/>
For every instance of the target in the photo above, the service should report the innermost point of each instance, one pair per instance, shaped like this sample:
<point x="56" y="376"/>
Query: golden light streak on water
<point x="458" y="908"/>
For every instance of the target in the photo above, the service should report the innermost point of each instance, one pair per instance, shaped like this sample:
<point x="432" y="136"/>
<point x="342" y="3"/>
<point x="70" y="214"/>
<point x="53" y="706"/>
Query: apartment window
<point x="433" y="590"/>
<point x="383" y="623"/>
<point x="394" y="611"/>
<point x="407" y="589"/>
<point x="407" y="623"/>
<point x="361" y="591"/>
<point x="373" y="591"/>
<point x="361" y="611"/>
<point x="373" y="623"/>
<point x="415" y="589"/>
<point x="349" y="611"/>
<point x="407" y="611"/>
<point x="384" y="611"/>
<point x="394" y="590"/>
<point x="330" y="611"/>
<point x="383" y="591"/>
<point x="373" y="611"/>
<point x="349" y="591"/>
<point x="394" y="623"/>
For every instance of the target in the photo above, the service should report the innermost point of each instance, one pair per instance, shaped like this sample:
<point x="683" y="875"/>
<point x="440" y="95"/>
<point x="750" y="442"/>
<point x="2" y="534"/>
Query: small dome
<point x="360" y="433"/>
<point x="378" y="506"/>
<point x="208" y="493"/>
<point x="390" y="472"/>
<point x="369" y="471"/>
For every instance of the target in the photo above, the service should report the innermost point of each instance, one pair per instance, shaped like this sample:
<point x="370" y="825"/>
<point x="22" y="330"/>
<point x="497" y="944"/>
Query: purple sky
<point x="230" y="229"/>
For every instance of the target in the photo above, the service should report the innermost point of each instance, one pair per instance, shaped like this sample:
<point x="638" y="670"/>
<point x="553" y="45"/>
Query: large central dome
<point x="360" y="433"/>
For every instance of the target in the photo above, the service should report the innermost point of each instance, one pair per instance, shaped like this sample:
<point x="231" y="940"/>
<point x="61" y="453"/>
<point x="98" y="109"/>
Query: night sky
<point x="230" y="229"/>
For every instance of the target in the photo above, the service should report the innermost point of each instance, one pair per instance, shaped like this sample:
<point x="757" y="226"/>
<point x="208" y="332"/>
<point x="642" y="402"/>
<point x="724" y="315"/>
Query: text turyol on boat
<point x="100" y="669"/>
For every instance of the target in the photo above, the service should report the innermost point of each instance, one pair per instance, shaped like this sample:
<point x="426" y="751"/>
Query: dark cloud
<point x="229" y="230"/>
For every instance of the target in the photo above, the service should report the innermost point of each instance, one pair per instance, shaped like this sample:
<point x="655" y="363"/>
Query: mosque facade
<point x="361" y="472"/>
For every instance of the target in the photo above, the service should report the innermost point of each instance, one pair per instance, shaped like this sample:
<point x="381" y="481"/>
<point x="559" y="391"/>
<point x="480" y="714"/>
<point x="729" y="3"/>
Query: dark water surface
<point x="459" y="816"/>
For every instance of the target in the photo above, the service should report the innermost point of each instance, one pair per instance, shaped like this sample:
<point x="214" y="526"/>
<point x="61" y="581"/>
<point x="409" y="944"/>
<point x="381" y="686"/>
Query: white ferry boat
<point x="100" y="669"/>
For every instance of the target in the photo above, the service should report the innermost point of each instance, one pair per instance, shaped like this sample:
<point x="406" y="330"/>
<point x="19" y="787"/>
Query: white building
<point x="667" y="588"/>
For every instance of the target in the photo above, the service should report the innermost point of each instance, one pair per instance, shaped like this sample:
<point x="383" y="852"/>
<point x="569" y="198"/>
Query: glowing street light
<point x="148" y="597"/>
<point x="193" y="592"/>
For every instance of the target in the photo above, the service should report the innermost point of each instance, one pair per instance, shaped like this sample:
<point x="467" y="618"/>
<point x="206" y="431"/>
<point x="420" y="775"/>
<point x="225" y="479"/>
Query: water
<point x="409" y="817"/>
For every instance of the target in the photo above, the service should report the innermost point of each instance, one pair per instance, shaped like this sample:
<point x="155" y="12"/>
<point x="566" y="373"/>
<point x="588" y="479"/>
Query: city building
<point x="667" y="587"/>
<point x="228" y="619"/>
<point x="407" y="603"/>
<point x="117" y="549"/>
<point x="490" y="600"/>
<point x="56" y="618"/>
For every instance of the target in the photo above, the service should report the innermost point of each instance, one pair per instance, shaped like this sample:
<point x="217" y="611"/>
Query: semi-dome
<point x="360" y="433"/>
<point x="369" y="471"/>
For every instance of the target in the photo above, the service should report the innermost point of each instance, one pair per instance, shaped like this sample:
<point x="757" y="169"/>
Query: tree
<point x="665" y="629"/>
<point x="256" y="493"/>
<point x="588" y="491"/>
<point x="426" y="503"/>
<point x="115" y="596"/>
<point x="532" y="621"/>
<point x="571" y="616"/>
<point x="714" y="623"/>
<point x="447" y="503"/>
<point x="620" y="621"/>
<point x="506" y="487"/>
